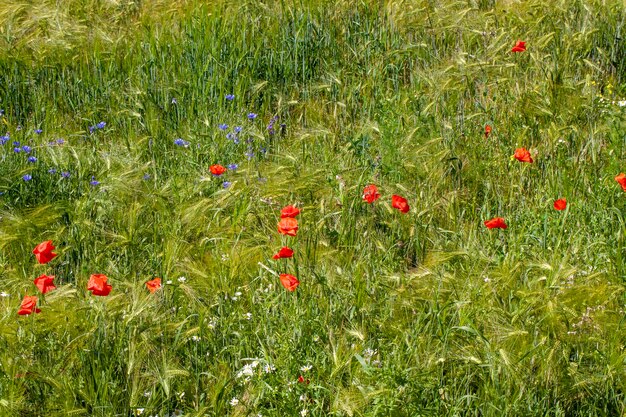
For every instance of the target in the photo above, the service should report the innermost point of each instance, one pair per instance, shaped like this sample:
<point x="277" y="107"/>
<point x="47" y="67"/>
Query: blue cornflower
<point x="92" y="129"/>
<point x="93" y="181"/>
<point x="263" y="150"/>
<point x="17" y="150"/>
<point x="18" y="128"/>
<point x="231" y="136"/>
<point x="32" y="159"/>
<point x="270" y="126"/>
<point x="223" y="126"/>
<point x="65" y="174"/>
<point x="226" y="184"/>
<point x="252" y="116"/>
<point x="16" y="143"/>
<point x="101" y="125"/>
<point x="174" y="101"/>
<point x="26" y="148"/>
<point x="27" y="177"/>
<point x="229" y="97"/>
<point x="181" y="142"/>
<point x="52" y="171"/>
<point x="38" y="131"/>
<point x="4" y="139"/>
<point x="232" y="167"/>
<point x="60" y="141"/>
<point x="249" y="155"/>
<point x="146" y="177"/>
<point x="238" y="129"/>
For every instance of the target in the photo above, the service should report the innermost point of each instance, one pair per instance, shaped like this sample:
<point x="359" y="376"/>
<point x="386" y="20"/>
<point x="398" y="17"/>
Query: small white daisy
<point x="247" y="370"/>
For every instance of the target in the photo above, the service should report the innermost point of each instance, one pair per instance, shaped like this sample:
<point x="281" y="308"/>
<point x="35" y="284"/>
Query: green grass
<point x="420" y="314"/>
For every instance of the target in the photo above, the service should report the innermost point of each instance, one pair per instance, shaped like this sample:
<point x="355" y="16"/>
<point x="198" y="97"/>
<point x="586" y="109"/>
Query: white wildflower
<point x="368" y="353"/>
<point x="247" y="370"/>
<point x="182" y="279"/>
<point x="234" y="401"/>
<point x="306" y="368"/>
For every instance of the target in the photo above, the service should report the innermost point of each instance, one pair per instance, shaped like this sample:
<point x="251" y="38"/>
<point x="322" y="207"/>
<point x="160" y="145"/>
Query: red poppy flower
<point x="289" y="211"/>
<point x="621" y="179"/>
<point x="496" y="223"/>
<point x="289" y="282"/>
<point x="560" y="204"/>
<point x="28" y="306"/>
<point x="153" y="285"/>
<point x="487" y="131"/>
<point x="44" y="283"/>
<point x="400" y="203"/>
<point x="217" y="169"/>
<point x="522" y="155"/>
<point x="370" y="193"/>
<point x="284" y="252"/>
<point x="288" y="226"/>
<point x="520" y="46"/>
<point x="43" y="252"/>
<point x="98" y="285"/>
<point x="301" y="380"/>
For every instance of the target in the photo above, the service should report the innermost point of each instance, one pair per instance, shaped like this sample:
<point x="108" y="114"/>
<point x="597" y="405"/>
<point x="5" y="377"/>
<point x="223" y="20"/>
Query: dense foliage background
<point x="424" y="313"/>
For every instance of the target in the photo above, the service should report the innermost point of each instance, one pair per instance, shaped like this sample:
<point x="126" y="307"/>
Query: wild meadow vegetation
<point x="115" y="115"/>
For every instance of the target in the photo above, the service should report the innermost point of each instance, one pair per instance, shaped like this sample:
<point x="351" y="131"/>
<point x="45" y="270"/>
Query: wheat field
<point x="312" y="208"/>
